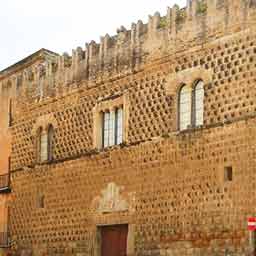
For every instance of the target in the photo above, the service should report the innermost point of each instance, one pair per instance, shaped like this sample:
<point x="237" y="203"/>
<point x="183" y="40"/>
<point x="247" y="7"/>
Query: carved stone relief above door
<point x="113" y="199"/>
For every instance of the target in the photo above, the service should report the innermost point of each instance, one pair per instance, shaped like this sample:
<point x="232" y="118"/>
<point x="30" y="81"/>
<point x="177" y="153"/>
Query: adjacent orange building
<point x="5" y="151"/>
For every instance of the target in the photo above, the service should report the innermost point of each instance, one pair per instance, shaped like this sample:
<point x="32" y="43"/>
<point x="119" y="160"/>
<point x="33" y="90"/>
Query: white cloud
<point x="60" y="25"/>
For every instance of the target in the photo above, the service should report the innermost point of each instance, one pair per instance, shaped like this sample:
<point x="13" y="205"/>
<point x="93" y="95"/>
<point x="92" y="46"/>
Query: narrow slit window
<point x="228" y="173"/>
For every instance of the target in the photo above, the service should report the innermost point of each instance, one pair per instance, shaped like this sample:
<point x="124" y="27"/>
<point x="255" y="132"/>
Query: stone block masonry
<point x="180" y="192"/>
<point x="172" y="190"/>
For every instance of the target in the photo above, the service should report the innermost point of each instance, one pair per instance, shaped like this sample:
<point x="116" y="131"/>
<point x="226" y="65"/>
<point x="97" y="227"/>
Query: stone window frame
<point x="188" y="77"/>
<point x="44" y="126"/>
<point x="109" y="104"/>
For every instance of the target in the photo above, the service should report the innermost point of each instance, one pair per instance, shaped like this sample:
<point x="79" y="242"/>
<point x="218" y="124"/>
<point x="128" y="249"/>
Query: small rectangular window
<point x="228" y="173"/>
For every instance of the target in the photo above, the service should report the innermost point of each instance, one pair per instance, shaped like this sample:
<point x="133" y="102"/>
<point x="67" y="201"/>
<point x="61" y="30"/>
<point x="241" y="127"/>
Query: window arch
<point x="184" y="107"/>
<point x="198" y="103"/>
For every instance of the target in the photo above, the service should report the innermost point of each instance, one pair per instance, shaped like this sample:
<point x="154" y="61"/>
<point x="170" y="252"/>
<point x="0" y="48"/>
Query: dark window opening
<point x="40" y="202"/>
<point x="228" y="173"/>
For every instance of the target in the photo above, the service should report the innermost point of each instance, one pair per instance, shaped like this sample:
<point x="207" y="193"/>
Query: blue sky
<point x="60" y="25"/>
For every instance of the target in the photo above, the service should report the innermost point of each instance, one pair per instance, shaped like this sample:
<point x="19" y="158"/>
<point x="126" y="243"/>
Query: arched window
<point x="184" y="107"/>
<point x="198" y="104"/>
<point x="50" y="133"/>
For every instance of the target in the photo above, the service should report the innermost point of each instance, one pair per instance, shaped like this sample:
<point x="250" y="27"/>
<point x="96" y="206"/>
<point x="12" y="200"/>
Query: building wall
<point x="10" y="92"/>
<point x="153" y="111"/>
<point x="167" y="185"/>
<point x="5" y="152"/>
<point x="178" y="201"/>
<point x="5" y="137"/>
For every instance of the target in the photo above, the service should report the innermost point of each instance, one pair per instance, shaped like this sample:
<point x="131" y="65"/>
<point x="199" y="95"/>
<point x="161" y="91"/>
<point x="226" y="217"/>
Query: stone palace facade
<point x="141" y="145"/>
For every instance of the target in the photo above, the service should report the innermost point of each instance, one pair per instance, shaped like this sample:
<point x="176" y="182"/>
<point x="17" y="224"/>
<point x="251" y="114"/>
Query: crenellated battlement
<point x="130" y="49"/>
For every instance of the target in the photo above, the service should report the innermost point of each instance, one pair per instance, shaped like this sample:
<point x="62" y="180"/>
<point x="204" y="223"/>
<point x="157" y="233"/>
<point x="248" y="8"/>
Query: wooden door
<point x="114" y="240"/>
